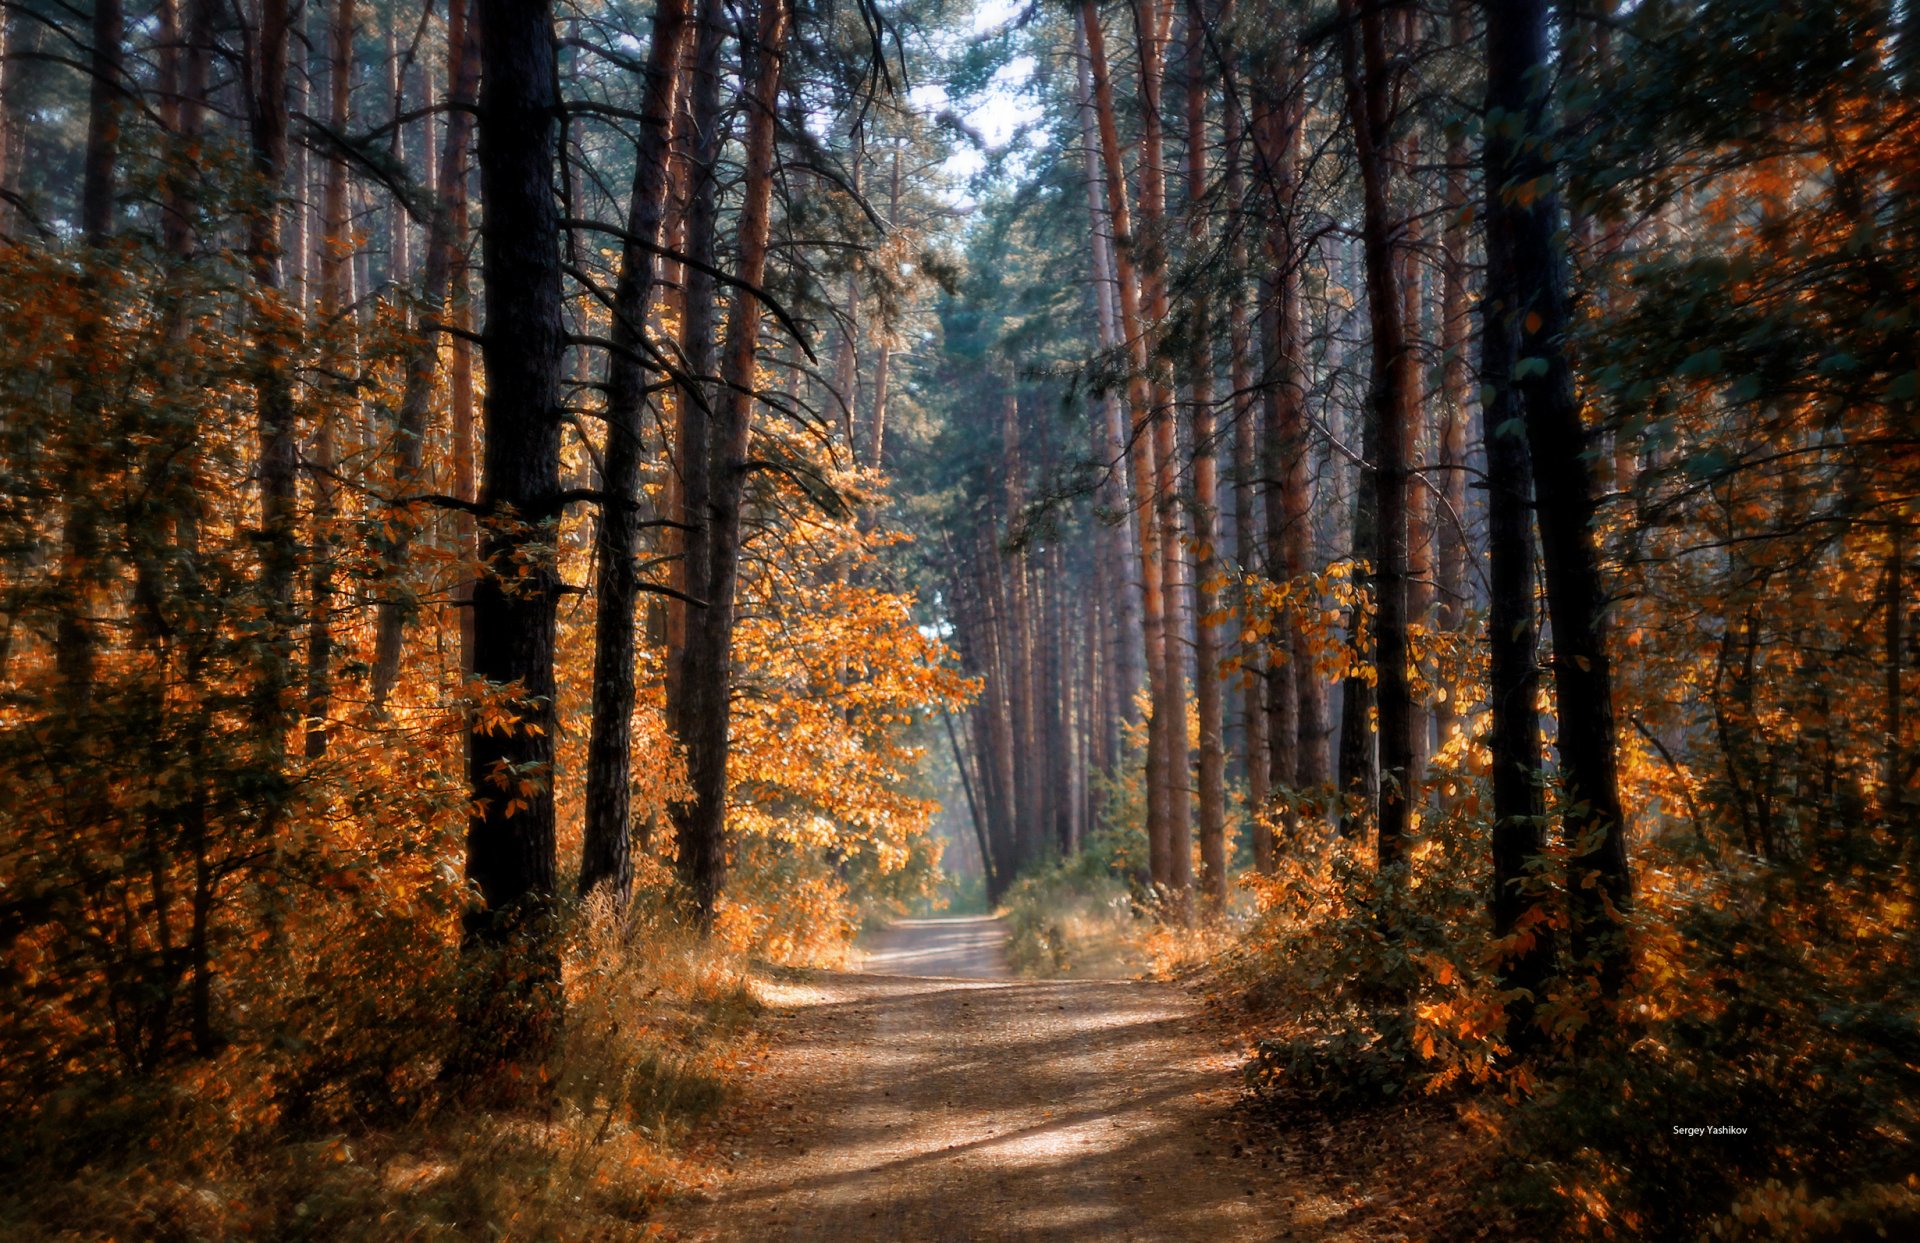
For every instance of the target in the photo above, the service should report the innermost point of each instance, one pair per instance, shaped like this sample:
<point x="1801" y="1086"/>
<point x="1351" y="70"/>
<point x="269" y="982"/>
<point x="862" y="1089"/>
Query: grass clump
<point x="658" y="1029"/>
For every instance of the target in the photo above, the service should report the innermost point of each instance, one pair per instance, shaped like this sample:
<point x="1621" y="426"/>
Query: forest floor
<point x="931" y="1098"/>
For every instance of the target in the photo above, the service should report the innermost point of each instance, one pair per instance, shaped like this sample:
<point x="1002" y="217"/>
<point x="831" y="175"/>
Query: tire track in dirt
<point x="931" y="1098"/>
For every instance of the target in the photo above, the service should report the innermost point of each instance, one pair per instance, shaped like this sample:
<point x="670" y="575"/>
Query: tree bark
<point x="1455" y="396"/>
<point x="1248" y="450"/>
<point x="1524" y="220"/>
<point x="1124" y="656"/>
<point x="1513" y="676"/>
<point x="336" y="297"/>
<point x="709" y="661"/>
<point x="695" y="395"/>
<point x="606" y="853"/>
<point x="1369" y="101"/>
<point x="512" y="1011"/>
<point x="1206" y="502"/>
<point x="1141" y="454"/>
<point x="1152" y="22"/>
<point x="397" y="605"/>
<point x="274" y="341"/>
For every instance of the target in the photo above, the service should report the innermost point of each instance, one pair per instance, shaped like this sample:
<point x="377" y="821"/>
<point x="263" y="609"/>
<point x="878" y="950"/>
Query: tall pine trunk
<point x="708" y="670"/>
<point x="1152" y="20"/>
<point x="274" y="356"/>
<point x="1369" y="103"/>
<point x="1450" y="524"/>
<point x="1141" y="452"/>
<point x="1124" y="657"/>
<point x="511" y="1009"/>
<point x="336" y="298"/>
<point x="397" y="605"/>
<point x="1524" y="220"/>
<point x="1206" y="500"/>
<point x="1248" y="447"/>
<point x="1513" y="675"/>
<point x="606" y="853"/>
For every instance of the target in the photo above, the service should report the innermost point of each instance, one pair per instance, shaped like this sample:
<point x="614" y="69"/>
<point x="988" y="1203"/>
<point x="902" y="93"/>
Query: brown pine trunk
<point x="606" y="857"/>
<point x="1122" y="654"/>
<point x="511" y="1010"/>
<point x="1299" y="732"/>
<point x="993" y="731"/>
<point x="696" y="394"/>
<point x="336" y="296"/>
<point x="1247" y="450"/>
<point x="709" y="661"/>
<point x="1141" y="454"/>
<point x="1152" y="19"/>
<point x="1206" y="500"/>
<point x="460" y="415"/>
<point x="275" y="352"/>
<point x="1455" y="396"/>
<point x="1419" y="512"/>
<point x="1526" y="231"/>
<point x="1369" y="100"/>
<point x="397" y="605"/>
<point x="1014" y="576"/>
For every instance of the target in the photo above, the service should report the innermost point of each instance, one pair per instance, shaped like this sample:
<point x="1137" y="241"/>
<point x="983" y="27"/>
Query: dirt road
<point x="929" y="1098"/>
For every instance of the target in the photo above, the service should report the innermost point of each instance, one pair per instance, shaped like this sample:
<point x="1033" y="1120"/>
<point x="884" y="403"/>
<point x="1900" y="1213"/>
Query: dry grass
<point x="659" y="1026"/>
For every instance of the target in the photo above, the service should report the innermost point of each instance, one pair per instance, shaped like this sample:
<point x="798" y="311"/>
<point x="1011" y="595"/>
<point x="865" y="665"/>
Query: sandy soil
<point x="930" y="1098"/>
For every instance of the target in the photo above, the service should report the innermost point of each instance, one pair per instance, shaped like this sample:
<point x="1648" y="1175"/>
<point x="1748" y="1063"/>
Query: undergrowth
<point x="349" y="1133"/>
<point x="1371" y="991"/>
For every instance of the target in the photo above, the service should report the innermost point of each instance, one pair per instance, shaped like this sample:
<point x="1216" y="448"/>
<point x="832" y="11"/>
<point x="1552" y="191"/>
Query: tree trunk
<point x="1248" y="447"/>
<point x="1299" y="733"/>
<point x="695" y="395"/>
<point x="1454" y="394"/>
<point x="336" y="298"/>
<point x="1124" y="656"/>
<point x="274" y="343"/>
<point x="1369" y="99"/>
<point x="512" y="1011"/>
<point x="1419" y="512"/>
<point x="1152" y="19"/>
<point x="606" y="857"/>
<point x="709" y="661"/>
<point x="1206" y="500"/>
<point x="1141" y="455"/>
<point x="466" y="536"/>
<point x="397" y="604"/>
<point x="1513" y="675"/>
<point x="1525" y="227"/>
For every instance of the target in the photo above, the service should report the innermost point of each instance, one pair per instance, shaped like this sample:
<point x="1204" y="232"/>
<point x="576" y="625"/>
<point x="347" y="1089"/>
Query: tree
<point x="1524" y="218"/>
<point x="1370" y="92"/>
<point x="606" y="855"/>
<point x="708" y="666"/>
<point x="513" y="1005"/>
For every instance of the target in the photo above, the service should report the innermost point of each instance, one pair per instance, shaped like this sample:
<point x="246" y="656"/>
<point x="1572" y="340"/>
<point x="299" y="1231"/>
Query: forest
<point x="920" y="619"/>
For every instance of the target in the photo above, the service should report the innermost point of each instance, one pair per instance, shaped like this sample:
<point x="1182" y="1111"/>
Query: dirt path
<point x="931" y="1099"/>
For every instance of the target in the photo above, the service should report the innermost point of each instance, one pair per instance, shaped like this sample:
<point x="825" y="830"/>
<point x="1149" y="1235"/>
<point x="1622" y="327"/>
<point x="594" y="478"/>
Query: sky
<point x="1000" y="110"/>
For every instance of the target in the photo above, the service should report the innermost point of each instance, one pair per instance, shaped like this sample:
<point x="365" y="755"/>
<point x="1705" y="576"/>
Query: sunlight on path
<point x="955" y="1104"/>
<point x="965" y="947"/>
